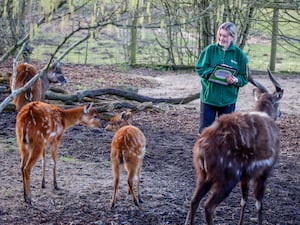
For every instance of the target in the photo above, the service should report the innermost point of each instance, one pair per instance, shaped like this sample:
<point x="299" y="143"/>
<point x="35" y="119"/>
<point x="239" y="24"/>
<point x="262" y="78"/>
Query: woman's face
<point x="224" y="39"/>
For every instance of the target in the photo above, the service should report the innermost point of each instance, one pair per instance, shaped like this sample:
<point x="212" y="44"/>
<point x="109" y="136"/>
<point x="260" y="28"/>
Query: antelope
<point x="128" y="148"/>
<point x="238" y="147"/>
<point x="38" y="90"/>
<point x="40" y="125"/>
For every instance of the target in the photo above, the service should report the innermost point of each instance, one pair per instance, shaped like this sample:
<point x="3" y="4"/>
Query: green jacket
<point x="217" y="94"/>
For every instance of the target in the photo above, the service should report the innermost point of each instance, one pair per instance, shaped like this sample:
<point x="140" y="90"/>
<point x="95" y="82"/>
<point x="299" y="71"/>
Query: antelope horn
<point x="261" y="87"/>
<point x="274" y="81"/>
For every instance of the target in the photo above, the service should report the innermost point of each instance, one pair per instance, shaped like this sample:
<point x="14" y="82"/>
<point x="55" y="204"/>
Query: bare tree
<point x="182" y="28"/>
<point x="59" y="12"/>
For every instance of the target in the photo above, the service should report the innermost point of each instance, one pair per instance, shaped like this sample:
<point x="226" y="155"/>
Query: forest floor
<point x="168" y="178"/>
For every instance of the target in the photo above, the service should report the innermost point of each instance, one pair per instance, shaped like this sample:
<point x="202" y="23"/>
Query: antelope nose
<point x="62" y="79"/>
<point x="278" y="115"/>
<point x="104" y="124"/>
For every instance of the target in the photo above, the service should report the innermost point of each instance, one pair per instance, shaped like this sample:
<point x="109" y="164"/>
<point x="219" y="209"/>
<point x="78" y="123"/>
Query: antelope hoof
<point x="27" y="200"/>
<point x="112" y="205"/>
<point x="57" y="188"/>
<point x="136" y="203"/>
<point x="141" y="200"/>
<point x="141" y="208"/>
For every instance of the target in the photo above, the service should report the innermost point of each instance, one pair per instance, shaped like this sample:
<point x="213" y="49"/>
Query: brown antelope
<point x="40" y="125"/>
<point x="237" y="147"/>
<point x="128" y="148"/>
<point x="38" y="90"/>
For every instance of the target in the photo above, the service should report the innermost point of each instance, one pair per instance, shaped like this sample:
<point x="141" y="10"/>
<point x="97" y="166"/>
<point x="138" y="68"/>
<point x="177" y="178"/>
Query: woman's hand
<point x="231" y="79"/>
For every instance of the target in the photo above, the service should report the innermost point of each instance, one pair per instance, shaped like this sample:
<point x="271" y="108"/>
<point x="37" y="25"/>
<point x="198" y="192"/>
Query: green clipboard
<point x="220" y="73"/>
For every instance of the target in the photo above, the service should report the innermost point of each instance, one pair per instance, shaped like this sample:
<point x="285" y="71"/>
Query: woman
<point x="216" y="98"/>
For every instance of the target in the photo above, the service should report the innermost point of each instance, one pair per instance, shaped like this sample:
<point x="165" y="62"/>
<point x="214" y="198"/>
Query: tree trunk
<point x="274" y="39"/>
<point x="246" y="27"/>
<point x="133" y="35"/>
<point x="206" y="26"/>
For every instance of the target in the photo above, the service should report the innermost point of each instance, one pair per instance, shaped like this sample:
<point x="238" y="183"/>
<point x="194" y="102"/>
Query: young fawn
<point x="128" y="148"/>
<point x="237" y="148"/>
<point x="40" y="125"/>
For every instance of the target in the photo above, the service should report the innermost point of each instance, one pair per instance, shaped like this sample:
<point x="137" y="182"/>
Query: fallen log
<point x="79" y="96"/>
<point x="91" y="95"/>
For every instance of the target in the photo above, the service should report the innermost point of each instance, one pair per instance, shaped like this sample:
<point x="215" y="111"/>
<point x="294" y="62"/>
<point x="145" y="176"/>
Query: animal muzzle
<point x="279" y="114"/>
<point x="62" y="79"/>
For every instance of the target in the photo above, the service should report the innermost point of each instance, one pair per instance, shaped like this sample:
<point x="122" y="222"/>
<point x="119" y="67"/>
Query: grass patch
<point x="106" y="163"/>
<point x="9" y="194"/>
<point x="68" y="159"/>
<point x="259" y="58"/>
<point x="9" y="144"/>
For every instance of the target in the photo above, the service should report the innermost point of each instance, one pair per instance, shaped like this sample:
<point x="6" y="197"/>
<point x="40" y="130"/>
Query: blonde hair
<point x="230" y="27"/>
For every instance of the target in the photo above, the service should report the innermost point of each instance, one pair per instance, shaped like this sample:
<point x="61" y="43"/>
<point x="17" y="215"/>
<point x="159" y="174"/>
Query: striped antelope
<point x="40" y="125"/>
<point x="237" y="147"/>
<point x="38" y="89"/>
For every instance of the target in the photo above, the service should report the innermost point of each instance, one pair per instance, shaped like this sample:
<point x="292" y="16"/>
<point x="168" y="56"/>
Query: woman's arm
<point x="203" y="67"/>
<point x="242" y="76"/>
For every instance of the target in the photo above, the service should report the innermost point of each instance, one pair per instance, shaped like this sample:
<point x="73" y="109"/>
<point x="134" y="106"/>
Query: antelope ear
<point x="279" y="94"/>
<point x="256" y="93"/>
<point x="59" y="64"/>
<point x="87" y="108"/>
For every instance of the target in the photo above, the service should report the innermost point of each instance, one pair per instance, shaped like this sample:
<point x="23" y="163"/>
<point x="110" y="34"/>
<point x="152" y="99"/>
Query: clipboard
<point x="220" y="73"/>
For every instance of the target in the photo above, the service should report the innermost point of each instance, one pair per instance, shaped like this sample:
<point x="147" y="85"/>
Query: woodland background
<point x="147" y="45"/>
<point x="148" y="32"/>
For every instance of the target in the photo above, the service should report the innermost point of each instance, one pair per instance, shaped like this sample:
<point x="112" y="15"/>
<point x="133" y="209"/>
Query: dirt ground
<point x="84" y="168"/>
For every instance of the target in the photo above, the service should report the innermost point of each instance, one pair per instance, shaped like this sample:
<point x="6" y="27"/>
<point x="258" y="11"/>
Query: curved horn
<point x="274" y="81"/>
<point x="261" y="87"/>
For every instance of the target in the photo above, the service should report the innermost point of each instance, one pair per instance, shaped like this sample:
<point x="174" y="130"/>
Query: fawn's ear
<point x="124" y="116"/>
<point x="128" y="115"/>
<point x="87" y="108"/>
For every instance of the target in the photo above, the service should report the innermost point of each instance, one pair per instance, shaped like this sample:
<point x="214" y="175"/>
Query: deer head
<point x="120" y="120"/>
<point x="266" y="101"/>
<point x="57" y="76"/>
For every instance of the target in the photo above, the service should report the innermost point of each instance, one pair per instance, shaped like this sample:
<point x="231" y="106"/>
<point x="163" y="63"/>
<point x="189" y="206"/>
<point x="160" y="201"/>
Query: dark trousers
<point x="208" y="113"/>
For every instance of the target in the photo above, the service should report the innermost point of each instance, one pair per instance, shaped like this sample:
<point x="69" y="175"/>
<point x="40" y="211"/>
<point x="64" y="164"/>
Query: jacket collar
<point x="230" y="47"/>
